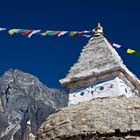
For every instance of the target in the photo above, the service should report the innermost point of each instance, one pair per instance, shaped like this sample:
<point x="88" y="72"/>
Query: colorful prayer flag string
<point x="29" y="32"/>
<point x="69" y="33"/>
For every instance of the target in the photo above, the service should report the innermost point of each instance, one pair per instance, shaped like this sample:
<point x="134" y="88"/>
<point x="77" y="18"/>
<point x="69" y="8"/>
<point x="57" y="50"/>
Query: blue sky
<point x="50" y="58"/>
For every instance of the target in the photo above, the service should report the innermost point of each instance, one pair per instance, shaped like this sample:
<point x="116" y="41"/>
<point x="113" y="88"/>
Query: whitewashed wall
<point x="111" y="88"/>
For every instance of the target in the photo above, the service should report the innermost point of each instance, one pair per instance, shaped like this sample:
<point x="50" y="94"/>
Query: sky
<point x="50" y="58"/>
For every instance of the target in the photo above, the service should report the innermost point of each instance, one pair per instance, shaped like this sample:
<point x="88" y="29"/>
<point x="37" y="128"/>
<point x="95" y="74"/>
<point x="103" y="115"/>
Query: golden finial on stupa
<point x="98" y="30"/>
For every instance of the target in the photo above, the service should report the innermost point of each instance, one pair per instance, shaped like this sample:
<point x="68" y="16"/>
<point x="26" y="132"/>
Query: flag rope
<point x="87" y="33"/>
<point x="29" y="32"/>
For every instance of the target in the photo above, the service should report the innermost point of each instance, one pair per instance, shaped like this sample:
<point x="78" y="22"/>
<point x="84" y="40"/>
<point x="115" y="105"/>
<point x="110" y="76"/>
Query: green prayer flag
<point x="137" y="53"/>
<point x="20" y="30"/>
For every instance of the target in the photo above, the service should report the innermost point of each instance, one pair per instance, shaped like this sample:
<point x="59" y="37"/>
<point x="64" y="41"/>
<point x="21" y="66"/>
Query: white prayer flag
<point x="88" y="36"/>
<point x="86" y="31"/>
<point x="116" y="45"/>
<point x="62" y="33"/>
<point x="2" y="29"/>
<point x="34" y="32"/>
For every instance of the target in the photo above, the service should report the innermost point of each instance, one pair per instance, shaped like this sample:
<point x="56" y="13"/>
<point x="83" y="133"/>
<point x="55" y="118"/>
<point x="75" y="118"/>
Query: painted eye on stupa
<point x="124" y="88"/>
<point x="103" y="88"/>
<point x="92" y="92"/>
<point x="79" y="94"/>
<point x="82" y="93"/>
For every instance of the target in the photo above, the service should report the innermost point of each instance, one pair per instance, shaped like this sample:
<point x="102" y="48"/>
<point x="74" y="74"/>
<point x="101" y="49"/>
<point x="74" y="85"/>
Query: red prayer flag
<point x="26" y="32"/>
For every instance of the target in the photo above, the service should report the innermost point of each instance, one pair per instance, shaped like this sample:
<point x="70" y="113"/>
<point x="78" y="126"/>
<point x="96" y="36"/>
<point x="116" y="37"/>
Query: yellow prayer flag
<point x="130" y="51"/>
<point x="73" y="34"/>
<point x="11" y="32"/>
<point x="45" y="33"/>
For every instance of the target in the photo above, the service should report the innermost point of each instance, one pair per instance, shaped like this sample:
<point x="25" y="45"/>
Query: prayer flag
<point x="2" y="29"/>
<point x="116" y="45"/>
<point x="56" y="32"/>
<point x="130" y="51"/>
<point x="45" y="33"/>
<point x="51" y="33"/>
<point x="33" y="32"/>
<point x="137" y="54"/>
<point x="86" y="32"/>
<point x="88" y="36"/>
<point x="26" y="32"/>
<point x="62" y="33"/>
<point x="20" y="30"/>
<point x="73" y="34"/>
<point x="11" y="32"/>
<point x="48" y="33"/>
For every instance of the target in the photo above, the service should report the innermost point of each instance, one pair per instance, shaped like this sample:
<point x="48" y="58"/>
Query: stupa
<point x="99" y="73"/>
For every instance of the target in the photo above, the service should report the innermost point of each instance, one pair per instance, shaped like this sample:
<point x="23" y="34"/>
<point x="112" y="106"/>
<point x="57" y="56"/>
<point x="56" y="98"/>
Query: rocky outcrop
<point x="22" y="98"/>
<point x="99" y="119"/>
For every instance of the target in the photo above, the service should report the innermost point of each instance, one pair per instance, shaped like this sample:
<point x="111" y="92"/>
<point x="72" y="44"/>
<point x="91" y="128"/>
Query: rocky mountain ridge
<point x="22" y="98"/>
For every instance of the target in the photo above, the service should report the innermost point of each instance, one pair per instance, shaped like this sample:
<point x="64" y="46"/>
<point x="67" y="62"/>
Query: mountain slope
<point x="22" y="98"/>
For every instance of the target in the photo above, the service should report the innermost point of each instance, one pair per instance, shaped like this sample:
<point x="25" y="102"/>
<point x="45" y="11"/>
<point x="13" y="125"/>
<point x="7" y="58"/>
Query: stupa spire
<point x="98" y="30"/>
